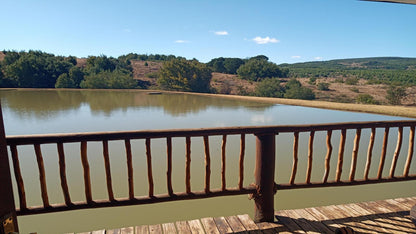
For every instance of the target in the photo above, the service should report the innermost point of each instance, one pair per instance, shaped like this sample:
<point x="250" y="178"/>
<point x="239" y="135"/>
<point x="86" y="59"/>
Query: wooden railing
<point x="264" y="186"/>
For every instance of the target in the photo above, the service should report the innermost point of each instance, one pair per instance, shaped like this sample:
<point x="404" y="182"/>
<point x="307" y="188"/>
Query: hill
<point x="388" y="63"/>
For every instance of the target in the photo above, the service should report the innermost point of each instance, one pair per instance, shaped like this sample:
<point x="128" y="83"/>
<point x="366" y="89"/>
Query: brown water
<point x="51" y="111"/>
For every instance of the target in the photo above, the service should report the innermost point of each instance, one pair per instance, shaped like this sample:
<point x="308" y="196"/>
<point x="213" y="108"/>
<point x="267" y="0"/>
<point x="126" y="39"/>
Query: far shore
<point x="403" y="111"/>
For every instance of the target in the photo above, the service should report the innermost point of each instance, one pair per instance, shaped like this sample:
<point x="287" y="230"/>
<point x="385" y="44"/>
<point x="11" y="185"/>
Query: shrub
<point x="351" y="81"/>
<point x="323" y="86"/>
<point x="269" y="88"/>
<point x="366" y="99"/>
<point x="395" y="94"/>
<point x="300" y="93"/>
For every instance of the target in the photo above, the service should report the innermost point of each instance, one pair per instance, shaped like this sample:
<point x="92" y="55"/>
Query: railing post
<point x="264" y="177"/>
<point x="8" y="217"/>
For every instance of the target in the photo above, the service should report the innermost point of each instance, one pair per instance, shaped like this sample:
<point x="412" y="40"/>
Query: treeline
<point x="36" y="69"/>
<point x="254" y="68"/>
<point x="383" y="70"/>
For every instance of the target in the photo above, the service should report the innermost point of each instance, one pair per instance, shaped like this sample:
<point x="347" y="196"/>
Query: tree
<point x="257" y="69"/>
<point x="395" y="94"/>
<point x="294" y="90"/>
<point x="185" y="75"/>
<point x="64" y="81"/>
<point x="269" y="88"/>
<point x="77" y="75"/>
<point x="109" y="80"/>
<point x="366" y="99"/>
<point x="36" y="69"/>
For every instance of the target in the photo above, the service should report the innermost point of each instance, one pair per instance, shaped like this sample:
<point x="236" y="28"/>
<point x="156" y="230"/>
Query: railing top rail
<point x="141" y="134"/>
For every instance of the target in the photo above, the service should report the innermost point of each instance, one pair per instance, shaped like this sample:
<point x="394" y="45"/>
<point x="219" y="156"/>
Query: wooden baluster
<point x="62" y="173"/>
<point x="410" y="151"/>
<point x="328" y="155"/>
<point x="169" y="162"/>
<point x="223" y="146"/>
<point x="369" y="153"/>
<point x="86" y="167"/>
<point x="19" y="178"/>
<point x="7" y="204"/>
<point x="188" y="165"/>
<point x="129" y="168"/>
<point x="42" y="176"/>
<point x="149" y="167"/>
<point x="241" y="160"/>
<point x="310" y="157"/>
<point x="355" y="154"/>
<point x="108" y="171"/>
<point x="207" y="165"/>
<point x="396" y="152"/>
<point x="383" y="153"/>
<point x="295" y="157"/>
<point x="341" y="155"/>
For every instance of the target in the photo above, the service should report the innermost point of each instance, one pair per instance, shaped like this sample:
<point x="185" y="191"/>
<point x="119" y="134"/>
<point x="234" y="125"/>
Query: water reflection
<point x="49" y="103"/>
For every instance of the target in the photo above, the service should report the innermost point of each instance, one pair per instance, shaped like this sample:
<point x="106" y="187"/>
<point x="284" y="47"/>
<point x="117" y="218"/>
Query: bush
<point x="109" y="80"/>
<point x="323" y="86"/>
<point x="300" y="93"/>
<point x="395" y="94"/>
<point x="256" y="70"/>
<point x="351" y="81"/>
<point x="366" y="99"/>
<point x="269" y="88"/>
<point x="185" y="75"/>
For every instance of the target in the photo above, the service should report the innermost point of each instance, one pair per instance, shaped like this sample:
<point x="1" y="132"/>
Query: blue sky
<point x="287" y="31"/>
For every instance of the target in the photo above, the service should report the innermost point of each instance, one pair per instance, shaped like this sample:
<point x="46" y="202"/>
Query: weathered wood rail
<point x="263" y="189"/>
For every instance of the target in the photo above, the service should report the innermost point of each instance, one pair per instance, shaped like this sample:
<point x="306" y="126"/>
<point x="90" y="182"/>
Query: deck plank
<point x="169" y="228"/>
<point x="196" y="227"/>
<point x="210" y="226"/>
<point x="183" y="227"/>
<point x="248" y="224"/>
<point x="235" y="224"/>
<point x="113" y="231"/>
<point x="99" y="232"/>
<point x="127" y="230"/>
<point x="271" y="228"/>
<point x="381" y="218"/>
<point x="144" y="229"/>
<point x="155" y="229"/>
<point x="317" y="224"/>
<point x="222" y="225"/>
<point x="291" y="225"/>
<point x="366" y="218"/>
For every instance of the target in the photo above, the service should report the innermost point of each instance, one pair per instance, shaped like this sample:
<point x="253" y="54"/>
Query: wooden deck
<point x="387" y="216"/>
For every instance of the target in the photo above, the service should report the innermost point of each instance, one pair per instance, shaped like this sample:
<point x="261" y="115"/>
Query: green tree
<point x="77" y="75"/>
<point x="269" y="88"/>
<point x="185" y="75"/>
<point x="395" y="94"/>
<point x="366" y="99"/>
<point x="323" y="86"/>
<point x="36" y="69"/>
<point x="258" y="69"/>
<point x="64" y="81"/>
<point x="109" y="80"/>
<point x="295" y="90"/>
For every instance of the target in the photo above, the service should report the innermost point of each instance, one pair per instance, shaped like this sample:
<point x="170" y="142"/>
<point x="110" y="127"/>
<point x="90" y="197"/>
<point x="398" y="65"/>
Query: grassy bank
<point x="402" y="111"/>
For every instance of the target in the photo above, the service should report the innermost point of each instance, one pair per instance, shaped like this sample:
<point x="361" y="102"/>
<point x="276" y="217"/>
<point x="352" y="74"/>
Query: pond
<point x="67" y="111"/>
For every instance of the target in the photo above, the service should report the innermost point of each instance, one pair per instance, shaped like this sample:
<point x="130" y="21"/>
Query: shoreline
<point x="402" y="111"/>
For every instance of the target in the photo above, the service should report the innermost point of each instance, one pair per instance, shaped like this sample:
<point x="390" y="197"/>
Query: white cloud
<point x="261" y="119"/>
<point x="127" y="30"/>
<point x="318" y="58"/>
<point x="181" y="41"/>
<point x="265" y="40"/>
<point x="221" y="33"/>
<point x="296" y="57"/>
